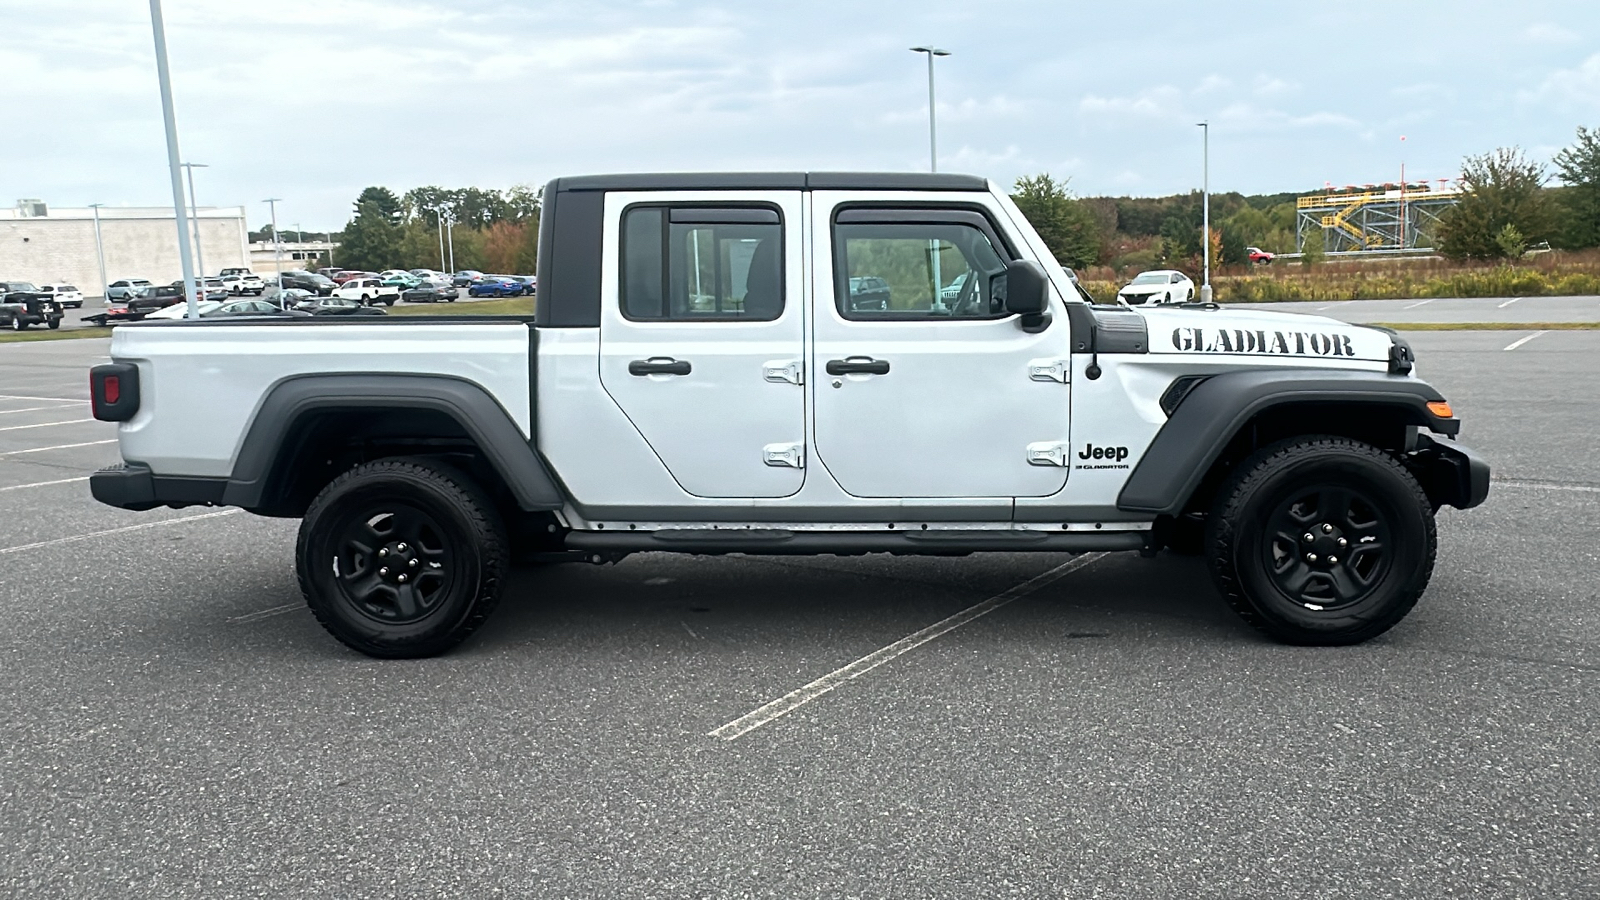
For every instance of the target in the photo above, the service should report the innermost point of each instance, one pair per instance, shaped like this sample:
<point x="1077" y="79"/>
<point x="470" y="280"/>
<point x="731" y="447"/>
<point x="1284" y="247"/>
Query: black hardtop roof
<point x="795" y="181"/>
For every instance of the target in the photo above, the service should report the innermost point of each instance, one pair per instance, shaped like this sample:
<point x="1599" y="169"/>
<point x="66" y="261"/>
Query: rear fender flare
<point x="259" y="460"/>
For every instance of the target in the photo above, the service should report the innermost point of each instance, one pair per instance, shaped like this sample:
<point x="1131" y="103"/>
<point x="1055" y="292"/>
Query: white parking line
<point x="801" y="696"/>
<point x="1523" y="340"/>
<point x="265" y="613"/>
<point x="123" y="530"/>
<point x="1548" y="486"/>
<point x="45" y="424"/>
<point x="1508" y="303"/>
<point x="18" y="487"/>
<point x="57" y="447"/>
<point x="29" y="409"/>
<point x="48" y="399"/>
<point x="1415" y="305"/>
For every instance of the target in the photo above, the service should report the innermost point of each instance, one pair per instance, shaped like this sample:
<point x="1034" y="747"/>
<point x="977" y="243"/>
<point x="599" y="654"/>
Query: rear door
<point x="702" y="331"/>
<point x="934" y="390"/>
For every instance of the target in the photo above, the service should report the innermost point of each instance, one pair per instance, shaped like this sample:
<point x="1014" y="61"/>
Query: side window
<point x="920" y="268"/>
<point x="1176" y="278"/>
<point x="683" y="263"/>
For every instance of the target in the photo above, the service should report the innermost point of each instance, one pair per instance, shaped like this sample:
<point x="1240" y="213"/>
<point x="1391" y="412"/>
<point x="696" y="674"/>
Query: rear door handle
<point x="659" y="365"/>
<point x="858" y="365"/>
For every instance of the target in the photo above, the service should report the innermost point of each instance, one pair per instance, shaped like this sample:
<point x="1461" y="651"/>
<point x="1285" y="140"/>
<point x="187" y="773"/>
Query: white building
<point x="308" y="255"/>
<point x="41" y="245"/>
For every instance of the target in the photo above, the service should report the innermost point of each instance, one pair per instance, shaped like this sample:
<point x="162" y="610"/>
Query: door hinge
<point x="792" y="456"/>
<point x="1049" y="453"/>
<point x="779" y="370"/>
<point x="1048" y="370"/>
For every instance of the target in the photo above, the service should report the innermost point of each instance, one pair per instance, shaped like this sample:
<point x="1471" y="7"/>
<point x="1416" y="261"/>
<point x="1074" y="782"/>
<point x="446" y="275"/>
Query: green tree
<point x="468" y="247"/>
<point x="419" y="246"/>
<point x="371" y="240"/>
<point x="1510" y="242"/>
<point x="1067" y="226"/>
<point x="385" y="201"/>
<point x="1579" y="167"/>
<point x="1501" y="188"/>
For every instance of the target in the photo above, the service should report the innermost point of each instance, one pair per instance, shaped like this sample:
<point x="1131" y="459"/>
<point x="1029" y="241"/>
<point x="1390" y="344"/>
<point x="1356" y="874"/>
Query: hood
<point x="1207" y="331"/>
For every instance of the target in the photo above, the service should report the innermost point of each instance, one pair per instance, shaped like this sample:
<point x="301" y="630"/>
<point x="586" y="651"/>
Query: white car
<point x="66" y="295"/>
<point x="1159" y="286"/>
<point x="369" y="291"/>
<point x="239" y="285"/>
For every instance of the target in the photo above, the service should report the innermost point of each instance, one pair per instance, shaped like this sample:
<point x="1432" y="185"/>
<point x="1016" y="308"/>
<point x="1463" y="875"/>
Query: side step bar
<point x="844" y="543"/>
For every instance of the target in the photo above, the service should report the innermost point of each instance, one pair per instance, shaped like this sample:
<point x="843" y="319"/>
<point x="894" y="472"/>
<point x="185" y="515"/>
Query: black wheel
<point x="401" y="558"/>
<point x="1321" y="541"/>
<point x="17" y="324"/>
<point x="54" y="324"/>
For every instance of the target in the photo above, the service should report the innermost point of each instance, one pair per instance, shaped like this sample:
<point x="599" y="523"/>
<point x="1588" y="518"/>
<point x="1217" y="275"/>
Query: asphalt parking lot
<point x="174" y="723"/>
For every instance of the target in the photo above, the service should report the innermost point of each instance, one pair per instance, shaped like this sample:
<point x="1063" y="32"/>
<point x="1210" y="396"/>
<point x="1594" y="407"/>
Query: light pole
<point x="330" y="249"/>
<point x="1205" y="208"/>
<point x="450" y="237"/>
<point x="277" y="244"/>
<point x="438" y="221"/>
<point x="194" y="212"/>
<point x="933" y="131"/>
<point x="99" y="248"/>
<point x="170" y="120"/>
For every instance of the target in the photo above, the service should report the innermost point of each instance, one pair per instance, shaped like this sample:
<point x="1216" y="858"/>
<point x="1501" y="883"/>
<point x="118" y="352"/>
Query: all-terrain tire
<point x="1343" y="514"/>
<point x="402" y="558"/>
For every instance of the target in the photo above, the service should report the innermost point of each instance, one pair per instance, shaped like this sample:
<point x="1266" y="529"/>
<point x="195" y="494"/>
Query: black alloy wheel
<point x="401" y="557"/>
<point x="1321" y="540"/>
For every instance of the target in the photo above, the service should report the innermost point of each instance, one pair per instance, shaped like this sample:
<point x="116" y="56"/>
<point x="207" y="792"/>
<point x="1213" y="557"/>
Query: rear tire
<point x="1321" y="541"/>
<point x="17" y="324"/>
<point x="54" y="324"/>
<point x="401" y="558"/>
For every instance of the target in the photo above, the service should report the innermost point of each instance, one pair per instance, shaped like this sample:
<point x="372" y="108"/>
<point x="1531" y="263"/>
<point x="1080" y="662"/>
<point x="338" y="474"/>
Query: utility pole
<point x="277" y="242"/>
<point x="170" y="120"/>
<point x="194" y="212"/>
<point x="99" y="248"/>
<point x="933" y="131"/>
<point x="438" y="221"/>
<point x="450" y="236"/>
<point x="1205" y="207"/>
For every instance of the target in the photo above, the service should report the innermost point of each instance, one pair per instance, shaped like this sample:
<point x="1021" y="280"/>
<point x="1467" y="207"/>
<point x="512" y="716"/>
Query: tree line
<point x="490" y="230"/>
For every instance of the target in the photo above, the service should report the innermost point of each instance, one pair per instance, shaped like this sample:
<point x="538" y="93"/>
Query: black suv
<point x="22" y="304"/>
<point x="320" y="285"/>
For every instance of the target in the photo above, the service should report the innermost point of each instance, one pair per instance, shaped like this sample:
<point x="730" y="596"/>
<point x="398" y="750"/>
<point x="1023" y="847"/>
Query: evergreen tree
<point x="1579" y="166"/>
<point x="371" y="240"/>
<point x="1067" y="226"/>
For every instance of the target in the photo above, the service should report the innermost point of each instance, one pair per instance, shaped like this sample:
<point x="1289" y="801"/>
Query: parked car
<point x="869" y="293"/>
<point x="495" y="286"/>
<point x="292" y="297"/>
<point x="125" y="289"/>
<point x="149" y="300"/>
<point x="337" y="306"/>
<point x="329" y="272"/>
<point x="347" y="274"/>
<point x="251" y="308"/>
<point x="22" y="304"/>
<point x="235" y="270"/>
<point x="1259" y="256"/>
<point x="309" y="281"/>
<point x="239" y="285"/>
<point x="402" y="280"/>
<point x="530" y="284"/>
<point x="179" y="310"/>
<point x="1158" y="286"/>
<point x="210" y="288"/>
<point x="431" y="292"/>
<point x="368" y="291"/>
<point x="467" y="277"/>
<point x="67" y="296"/>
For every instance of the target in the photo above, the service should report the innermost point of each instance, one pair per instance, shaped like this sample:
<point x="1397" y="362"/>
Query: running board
<point x="801" y="543"/>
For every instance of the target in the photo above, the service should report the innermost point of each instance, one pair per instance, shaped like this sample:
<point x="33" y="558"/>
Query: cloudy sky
<point x="311" y="100"/>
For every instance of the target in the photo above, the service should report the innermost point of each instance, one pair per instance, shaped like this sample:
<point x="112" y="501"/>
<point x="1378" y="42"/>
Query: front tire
<point x="17" y="324"/>
<point x="401" y="558"/>
<point x="1321" y="541"/>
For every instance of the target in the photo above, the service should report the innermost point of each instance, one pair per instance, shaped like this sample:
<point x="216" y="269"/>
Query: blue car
<point x="495" y="286"/>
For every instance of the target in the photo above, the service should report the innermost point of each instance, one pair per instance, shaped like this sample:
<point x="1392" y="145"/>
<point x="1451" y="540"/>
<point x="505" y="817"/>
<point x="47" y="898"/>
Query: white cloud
<point x="1575" y="90"/>
<point x="1546" y="33"/>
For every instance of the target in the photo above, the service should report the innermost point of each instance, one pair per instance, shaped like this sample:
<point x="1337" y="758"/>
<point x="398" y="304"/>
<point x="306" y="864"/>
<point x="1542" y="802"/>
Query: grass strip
<point x="1487" y="326"/>
<point x="64" y="334"/>
<point x="512" y="306"/>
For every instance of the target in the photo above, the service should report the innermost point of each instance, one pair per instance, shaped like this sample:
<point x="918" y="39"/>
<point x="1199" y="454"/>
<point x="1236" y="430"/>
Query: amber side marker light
<point x="1441" y="408"/>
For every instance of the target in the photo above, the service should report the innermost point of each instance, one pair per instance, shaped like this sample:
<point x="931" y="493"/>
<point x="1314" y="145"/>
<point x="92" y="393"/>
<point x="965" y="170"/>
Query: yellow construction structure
<point x="1392" y="219"/>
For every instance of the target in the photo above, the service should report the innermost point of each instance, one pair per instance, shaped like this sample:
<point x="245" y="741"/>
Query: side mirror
<point x="1027" y="293"/>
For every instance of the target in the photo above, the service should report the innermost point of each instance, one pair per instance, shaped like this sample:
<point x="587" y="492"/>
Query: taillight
<point x="114" y="391"/>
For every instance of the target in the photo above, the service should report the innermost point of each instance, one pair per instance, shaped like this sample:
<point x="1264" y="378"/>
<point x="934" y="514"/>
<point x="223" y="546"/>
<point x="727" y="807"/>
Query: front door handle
<point x="659" y="365"/>
<point x="858" y="365"/>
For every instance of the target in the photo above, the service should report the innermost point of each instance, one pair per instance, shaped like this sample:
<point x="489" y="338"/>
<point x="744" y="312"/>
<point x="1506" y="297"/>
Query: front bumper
<point x="1450" y="473"/>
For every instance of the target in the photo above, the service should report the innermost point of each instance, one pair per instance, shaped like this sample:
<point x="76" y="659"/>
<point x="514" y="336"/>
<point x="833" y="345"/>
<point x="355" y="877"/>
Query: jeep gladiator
<point x="697" y="379"/>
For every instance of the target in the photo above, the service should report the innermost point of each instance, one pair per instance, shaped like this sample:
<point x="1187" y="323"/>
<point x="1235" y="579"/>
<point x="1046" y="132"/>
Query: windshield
<point x="1151" y="278"/>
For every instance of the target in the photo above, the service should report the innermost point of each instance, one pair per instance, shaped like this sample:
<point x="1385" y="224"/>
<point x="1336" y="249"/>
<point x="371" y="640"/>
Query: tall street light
<point x="170" y="120"/>
<point x="933" y="131"/>
<point x="277" y="243"/>
<point x="99" y="248"/>
<point x="1205" y="194"/>
<point x="450" y="238"/>
<point x="194" y="211"/>
<point x="438" y="221"/>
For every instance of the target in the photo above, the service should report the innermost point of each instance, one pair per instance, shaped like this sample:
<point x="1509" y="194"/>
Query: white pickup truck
<point x="697" y="379"/>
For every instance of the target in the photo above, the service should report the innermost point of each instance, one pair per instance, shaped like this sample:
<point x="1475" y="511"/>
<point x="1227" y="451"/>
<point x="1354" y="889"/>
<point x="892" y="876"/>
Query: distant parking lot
<point x="175" y="723"/>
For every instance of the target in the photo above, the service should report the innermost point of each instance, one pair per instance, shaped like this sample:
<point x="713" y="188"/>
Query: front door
<point x="924" y="385"/>
<point x="702" y="333"/>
